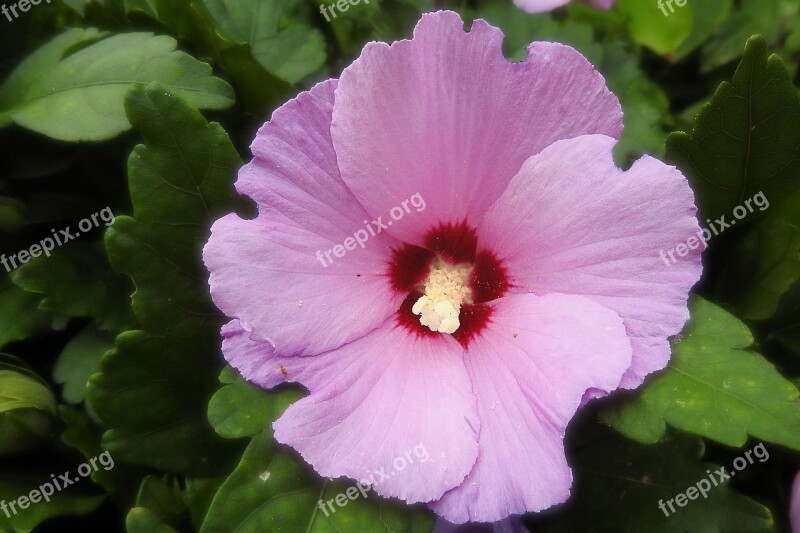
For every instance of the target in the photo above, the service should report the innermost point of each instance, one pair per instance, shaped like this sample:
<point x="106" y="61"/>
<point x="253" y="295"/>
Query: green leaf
<point x="153" y="389"/>
<point x="785" y="326"/>
<point x="292" y="53"/>
<point x="649" y="26"/>
<point x="714" y="387"/>
<point x="644" y="104"/>
<point x="20" y="476"/>
<point x="20" y="316"/>
<point x="163" y="498"/>
<point x="619" y="484"/>
<point x="79" y="360"/>
<point x="77" y="281"/>
<point x="271" y="488"/>
<point x="37" y="67"/>
<point x="708" y="16"/>
<point x="141" y="520"/>
<point x="199" y="494"/>
<point x="27" y="411"/>
<point x="119" y="480"/>
<point x="238" y="409"/>
<point x="80" y="98"/>
<point x="765" y="262"/>
<point x="745" y="140"/>
<point x="259" y="90"/>
<point x="763" y="18"/>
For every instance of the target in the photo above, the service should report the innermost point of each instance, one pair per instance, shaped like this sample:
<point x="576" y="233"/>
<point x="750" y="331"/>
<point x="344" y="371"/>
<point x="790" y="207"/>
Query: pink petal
<point x="529" y="371"/>
<point x="266" y="273"/>
<point x="384" y="400"/>
<point x="257" y="361"/>
<point x="512" y="524"/>
<point x="540" y="6"/>
<point x="794" y="511"/>
<point x="571" y="222"/>
<point x="447" y="116"/>
<point x="263" y="272"/>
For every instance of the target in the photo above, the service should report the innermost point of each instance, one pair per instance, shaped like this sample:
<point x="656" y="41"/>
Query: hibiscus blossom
<point x="533" y="265"/>
<point x="539" y="6"/>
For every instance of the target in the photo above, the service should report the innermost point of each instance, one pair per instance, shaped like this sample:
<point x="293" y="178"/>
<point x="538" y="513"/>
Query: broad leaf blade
<point x="291" y="53"/>
<point x="746" y="139"/>
<point x="714" y="387"/>
<point x="619" y="484"/>
<point x="179" y="182"/>
<point x="81" y="98"/>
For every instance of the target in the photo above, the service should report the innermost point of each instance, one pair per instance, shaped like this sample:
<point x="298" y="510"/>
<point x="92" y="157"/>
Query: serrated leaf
<point x="81" y="97"/>
<point x="238" y="409"/>
<point x="119" y="480"/>
<point x="179" y="183"/>
<point x="259" y="90"/>
<point x="292" y="53"/>
<point x="714" y="387"/>
<point x="765" y="262"/>
<point x="79" y="360"/>
<point x="746" y="139"/>
<point x="20" y="316"/>
<point x="618" y="486"/>
<point x="77" y="281"/>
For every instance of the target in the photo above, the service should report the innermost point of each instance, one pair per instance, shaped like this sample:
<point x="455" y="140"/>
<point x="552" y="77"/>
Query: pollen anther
<point x="445" y="290"/>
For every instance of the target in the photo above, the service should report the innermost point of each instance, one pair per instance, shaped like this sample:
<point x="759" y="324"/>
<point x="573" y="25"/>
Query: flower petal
<point x="512" y="524"/>
<point x="571" y="222"/>
<point x="447" y="116"/>
<point x="380" y="402"/>
<point x="529" y="371"/>
<point x="280" y="274"/>
<point x="264" y="273"/>
<point x="257" y="360"/>
<point x="540" y="6"/>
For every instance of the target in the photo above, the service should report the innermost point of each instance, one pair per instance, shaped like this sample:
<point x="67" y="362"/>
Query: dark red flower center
<point x="449" y="246"/>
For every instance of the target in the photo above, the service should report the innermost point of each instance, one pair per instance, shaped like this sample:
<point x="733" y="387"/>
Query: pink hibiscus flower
<point x="540" y="6"/>
<point x="794" y="510"/>
<point x="529" y="256"/>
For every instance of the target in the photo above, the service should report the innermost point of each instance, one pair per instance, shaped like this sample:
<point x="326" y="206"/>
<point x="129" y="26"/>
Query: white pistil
<point x="445" y="290"/>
